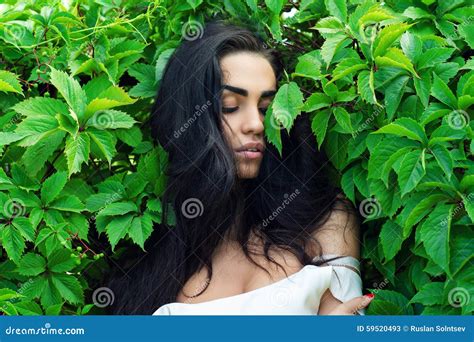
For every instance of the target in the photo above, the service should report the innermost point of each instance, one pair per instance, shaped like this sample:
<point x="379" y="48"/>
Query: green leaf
<point x="394" y="93"/>
<point x="24" y="227"/>
<point x="71" y="90"/>
<point x="337" y="8"/>
<point x="442" y="92"/>
<point x="365" y="86"/>
<point x="13" y="242"/>
<point x="404" y="127"/>
<point x="316" y="101"/>
<point x="391" y="238"/>
<point x="287" y="104"/>
<point x="69" y="287"/>
<point x="9" y="82"/>
<point x="119" y="208"/>
<point x="275" y="5"/>
<point x="194" y="3"/>
<point x="39" y="106"/>
<point x="422" y="208"/>
<point x="430" y="294"/>
<point x="433" y="56"/>
<point x="68" y="203"/>
<point x="105" y="141"/>
<point x="6" y="294"/>
<point x="319" y="125"/>
<point x="411" y="171"/>
<point x="329" y="25"/>
<point x="423" y="88"/>
<point x="118" y="228"/>
<point x="309" y="65"/>
<point x="411" y="45"/>
<point x="53" y="186"/>
<point x="28" y="308"/>
<point x="443" y="157"/>
<point x="36" y="156"/>
<point x="31" y="264"/>
<point x="61" y="261"/>
<point x="343" y="119"/>
<point x="333" y="44"/>
<point x="141" y="229"/>
<point x="111" y="119"/>
<point x="387" y="37"/>
<point x="416" y="13"/>
<point x="111" y="97"/>
<point x="394" y="57"/>
<point x="347" y="66"/>
<point x="77" y="151"/>
<point x="435" y="232"/>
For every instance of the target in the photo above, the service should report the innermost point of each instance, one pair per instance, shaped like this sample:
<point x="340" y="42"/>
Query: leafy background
<point x="389" y="88"/>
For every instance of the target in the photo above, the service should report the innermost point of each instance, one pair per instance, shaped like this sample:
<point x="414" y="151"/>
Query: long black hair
<point x="284" y="205"/>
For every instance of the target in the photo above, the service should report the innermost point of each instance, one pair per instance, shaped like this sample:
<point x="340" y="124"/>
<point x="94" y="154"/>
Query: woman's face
<point x="249" y="85"/>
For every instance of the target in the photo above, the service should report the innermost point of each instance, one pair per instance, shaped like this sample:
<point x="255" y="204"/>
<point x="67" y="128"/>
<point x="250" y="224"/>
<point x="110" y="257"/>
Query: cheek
<point x="231" y="127"/>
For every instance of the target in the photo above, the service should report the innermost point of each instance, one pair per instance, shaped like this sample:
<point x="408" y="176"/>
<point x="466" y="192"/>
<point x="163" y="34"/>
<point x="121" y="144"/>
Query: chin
<point x="248" y="173"/>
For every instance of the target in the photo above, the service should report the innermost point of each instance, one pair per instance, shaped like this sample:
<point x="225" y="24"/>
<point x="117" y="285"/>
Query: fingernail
<point x="370" y="295"/>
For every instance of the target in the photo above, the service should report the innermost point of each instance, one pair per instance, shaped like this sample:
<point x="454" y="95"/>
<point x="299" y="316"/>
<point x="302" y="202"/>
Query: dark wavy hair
<point x="186" y="121"/>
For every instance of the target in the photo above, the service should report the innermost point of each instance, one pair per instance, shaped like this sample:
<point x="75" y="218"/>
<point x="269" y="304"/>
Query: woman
<point x="255" y="232"/>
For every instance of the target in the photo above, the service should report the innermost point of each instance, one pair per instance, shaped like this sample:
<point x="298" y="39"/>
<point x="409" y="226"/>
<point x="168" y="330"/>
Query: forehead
<point x="248" y="70"/>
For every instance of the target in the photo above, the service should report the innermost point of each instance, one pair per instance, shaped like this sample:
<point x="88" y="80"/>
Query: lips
<point x="253" y="150"/>
<point x="251" y="147"/>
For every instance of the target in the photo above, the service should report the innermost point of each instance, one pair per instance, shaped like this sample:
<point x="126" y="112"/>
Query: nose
<point x="253" y="121"/>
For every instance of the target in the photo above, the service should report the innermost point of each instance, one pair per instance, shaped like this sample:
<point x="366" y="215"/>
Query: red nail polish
<point x="370" y="295"/>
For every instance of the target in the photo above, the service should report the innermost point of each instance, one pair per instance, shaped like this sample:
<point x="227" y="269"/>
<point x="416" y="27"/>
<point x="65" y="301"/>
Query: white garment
<point x="298" y="294"/>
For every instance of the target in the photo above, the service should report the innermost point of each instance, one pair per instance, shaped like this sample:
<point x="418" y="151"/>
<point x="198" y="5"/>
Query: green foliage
<point x="388" y="88"/>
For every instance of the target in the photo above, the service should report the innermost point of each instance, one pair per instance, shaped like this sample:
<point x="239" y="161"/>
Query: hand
<point x="350" y="307"/>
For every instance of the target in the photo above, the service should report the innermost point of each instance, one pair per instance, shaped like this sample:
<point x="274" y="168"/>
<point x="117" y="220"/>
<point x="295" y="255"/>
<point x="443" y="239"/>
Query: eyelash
<point x="228" y="110"/>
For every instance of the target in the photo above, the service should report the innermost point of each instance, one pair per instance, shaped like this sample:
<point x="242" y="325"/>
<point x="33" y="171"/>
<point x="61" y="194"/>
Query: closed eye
<point x="227" y="110"/>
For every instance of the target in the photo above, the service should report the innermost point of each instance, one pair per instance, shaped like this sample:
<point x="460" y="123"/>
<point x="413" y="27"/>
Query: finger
<point x="357" y="303"/>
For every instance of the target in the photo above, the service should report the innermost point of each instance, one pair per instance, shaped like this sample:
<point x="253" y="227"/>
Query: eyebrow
<point x="244" y="92"/>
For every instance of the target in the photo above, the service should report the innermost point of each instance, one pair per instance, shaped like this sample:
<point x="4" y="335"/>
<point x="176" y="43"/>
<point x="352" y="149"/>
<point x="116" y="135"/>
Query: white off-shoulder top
<point x="297" y="294"/>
